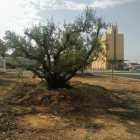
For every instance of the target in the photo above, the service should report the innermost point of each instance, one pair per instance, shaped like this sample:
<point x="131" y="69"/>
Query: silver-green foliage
<point x="60" y="52"/>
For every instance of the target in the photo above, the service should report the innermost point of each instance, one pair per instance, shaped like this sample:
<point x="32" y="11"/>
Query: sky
<point x="16" y="15"/>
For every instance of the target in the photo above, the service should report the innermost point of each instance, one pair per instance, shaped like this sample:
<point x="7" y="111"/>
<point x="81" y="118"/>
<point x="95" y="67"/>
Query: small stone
<point x="0" y="114"/>
<point x="5" y="129"/>
<point x="21" y="131"/>
<point x="33" y="108"/>
<point x="32" y="130"/>
<point x="10" y="133"/>
<point x="3" y="133"/>
<point x="71" y="109"/>
<point x="13" y="100"/>
<point x="85" y="126"/>
<point x="76" y="119"/>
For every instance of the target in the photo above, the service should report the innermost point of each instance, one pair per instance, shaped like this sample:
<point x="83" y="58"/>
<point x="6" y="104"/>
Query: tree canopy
<point x="60" y="52"/>
<point x="3" y="48"/>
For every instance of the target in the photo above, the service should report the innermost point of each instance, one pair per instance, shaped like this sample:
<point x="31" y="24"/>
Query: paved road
<point x="134" y="75"/>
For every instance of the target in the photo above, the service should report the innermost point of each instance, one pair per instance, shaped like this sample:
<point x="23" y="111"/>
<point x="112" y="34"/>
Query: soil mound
<point x="80" y="99"/>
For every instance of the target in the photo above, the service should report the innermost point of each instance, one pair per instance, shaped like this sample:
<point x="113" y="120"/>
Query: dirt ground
<point x="98" y="106"/>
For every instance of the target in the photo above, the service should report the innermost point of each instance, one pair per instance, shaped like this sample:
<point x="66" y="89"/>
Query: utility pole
<point x="112" y="72"/>
<point x="112" y="64"/>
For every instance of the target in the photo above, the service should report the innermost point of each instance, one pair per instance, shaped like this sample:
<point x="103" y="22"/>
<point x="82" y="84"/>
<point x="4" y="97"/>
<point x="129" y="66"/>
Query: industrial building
<point x="115" y="54"/>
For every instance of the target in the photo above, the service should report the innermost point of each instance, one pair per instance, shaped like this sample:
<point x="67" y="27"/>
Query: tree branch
<point x="94" y="44"/>
<point x="46" y="49"/>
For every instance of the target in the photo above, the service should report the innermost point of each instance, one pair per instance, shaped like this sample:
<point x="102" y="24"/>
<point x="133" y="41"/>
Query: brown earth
<point x="98" y="106"/>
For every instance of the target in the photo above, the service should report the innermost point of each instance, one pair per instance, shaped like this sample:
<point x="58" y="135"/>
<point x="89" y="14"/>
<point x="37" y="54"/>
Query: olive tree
<point x="60" y="52"/>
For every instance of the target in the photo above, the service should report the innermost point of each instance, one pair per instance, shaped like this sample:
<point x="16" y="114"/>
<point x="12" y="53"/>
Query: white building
<point x="2" y="64"/>
<point x="115" y="54"/>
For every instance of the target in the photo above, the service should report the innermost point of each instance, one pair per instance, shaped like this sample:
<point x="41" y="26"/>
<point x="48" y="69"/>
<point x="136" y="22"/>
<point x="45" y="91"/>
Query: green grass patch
<point x="132" y="73"/>
<point x="86" y="137"/>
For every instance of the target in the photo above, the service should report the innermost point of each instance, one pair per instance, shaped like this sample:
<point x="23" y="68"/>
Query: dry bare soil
<point x="101" y="107"/>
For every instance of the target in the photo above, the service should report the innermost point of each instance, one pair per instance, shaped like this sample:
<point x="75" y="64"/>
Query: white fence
<point x="2" y="65"/>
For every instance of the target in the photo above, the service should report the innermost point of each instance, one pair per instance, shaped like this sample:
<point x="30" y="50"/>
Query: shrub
<point x="10" y="65"/>
<point x="41" y="87"/>
<point x="86" y="137"/>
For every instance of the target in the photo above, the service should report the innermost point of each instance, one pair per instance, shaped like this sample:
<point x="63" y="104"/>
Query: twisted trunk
<point x="55" y="82"/>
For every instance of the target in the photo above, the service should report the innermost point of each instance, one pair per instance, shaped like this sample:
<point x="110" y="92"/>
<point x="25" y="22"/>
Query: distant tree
<point x="60" y="52"/>
<point x="17" y="53"/>
<point x="3" y="48"/>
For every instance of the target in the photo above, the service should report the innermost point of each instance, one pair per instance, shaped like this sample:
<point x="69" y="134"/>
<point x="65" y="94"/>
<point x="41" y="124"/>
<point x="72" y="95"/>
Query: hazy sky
<point x="17" y="14"/>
